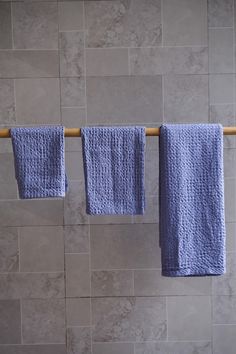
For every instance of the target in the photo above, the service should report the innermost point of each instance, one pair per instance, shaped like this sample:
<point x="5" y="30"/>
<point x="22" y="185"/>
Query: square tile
<point x="78" y="312"/>
<point x="9" y="254"/>
<point x="77" y="275"/>
<point x="71" y="53"/>
<point x="112" y="283"/>
<point x="221" y="88"/>
<point x="7" y="102"/>
<point x="79" y="340"/>
<point x="223" y="309"/>
<point x="224" y="339"/>
<point x="221" y="52"/>
<point x="10" y="322"/>
<point x="70" y="15"/>
<point x="76" y="238"/>
<point x="220" y="13"/>
<point x="5" y="26"/>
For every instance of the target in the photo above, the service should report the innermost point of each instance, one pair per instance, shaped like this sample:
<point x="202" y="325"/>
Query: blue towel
<point x="114" y="169"/>
<point x="39" y="161"/>
<point x="192" y="225"/>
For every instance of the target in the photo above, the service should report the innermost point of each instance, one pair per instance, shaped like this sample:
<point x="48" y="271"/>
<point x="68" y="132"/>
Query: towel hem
<point x="193" y="272"/>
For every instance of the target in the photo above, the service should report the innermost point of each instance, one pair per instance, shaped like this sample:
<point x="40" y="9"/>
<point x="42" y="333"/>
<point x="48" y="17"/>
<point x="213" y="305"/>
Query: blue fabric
<point x="39" y="161"/>
<point x="192" y="224"/>
<point x="114" y="169"/>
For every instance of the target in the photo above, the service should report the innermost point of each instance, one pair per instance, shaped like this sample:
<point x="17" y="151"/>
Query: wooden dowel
<point x="75" y="132"/>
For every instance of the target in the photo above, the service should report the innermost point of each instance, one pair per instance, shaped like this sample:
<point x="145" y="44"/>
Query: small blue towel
<point x="114" y="169"/>
<point x="192" y="224"/>
<point x="39" y="161"/>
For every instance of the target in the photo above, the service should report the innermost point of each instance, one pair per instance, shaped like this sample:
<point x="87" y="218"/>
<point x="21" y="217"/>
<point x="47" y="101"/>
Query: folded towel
<point x="39" y="161"/>
<point x="114" y="169"/>
<point x="192" y="225"/>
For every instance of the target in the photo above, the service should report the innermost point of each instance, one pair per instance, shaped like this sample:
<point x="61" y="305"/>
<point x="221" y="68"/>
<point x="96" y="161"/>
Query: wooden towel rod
<point x="73" y="132"/>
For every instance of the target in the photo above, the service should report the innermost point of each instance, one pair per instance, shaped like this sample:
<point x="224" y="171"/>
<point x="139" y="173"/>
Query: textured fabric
<point x="192" y="225"/>
<point x="39" y="161"/>
<point x="114" y="169"/>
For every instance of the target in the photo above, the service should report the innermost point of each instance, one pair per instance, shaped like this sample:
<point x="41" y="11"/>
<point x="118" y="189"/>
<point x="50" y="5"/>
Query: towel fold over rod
<point x="73" y="132"/>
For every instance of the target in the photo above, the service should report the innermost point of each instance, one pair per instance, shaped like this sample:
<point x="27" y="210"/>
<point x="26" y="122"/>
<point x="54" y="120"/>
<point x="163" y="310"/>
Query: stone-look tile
<point x="73" y="117"/>
<point x="74" y="204"/>
<point x="129" y="319"/>
<point x="173" y="348"/>
<point x="224" y="310"/>
<point x="184" y="95"/>
<point x="72" y="92"/>
<point x="8" y="191"/>
<point x="184" y="22"/>
<point x="112" y="283"/>
<point x="114" y="100"/>
<point x="231" y="264"/>
<point x="114" y="348"/>
<point x="221" y="89"/>
<point x="123" y="24"/>
<point x="230" y="199"/>
<point x="231" y="237"/>
<point x="76" y="238"/>
<point x="7" y="102"/>
<point x="78" y="312"/>
<point x="77" y="275"/>
<point x="221" y="52"/>
<point x="151" y="173"/>
<point x="43" y="321"/>
<point x="37" y="101"/>
<point x="158" y="61"/>
<point x="220" y="13"/>
<point x="31" y="212"/>
<point x="74" y="165"/>
<point x="31" y="286"/>
<point x="70" y="16"/>
<point x="224" y="339"/>
<point x="71" y="53"/>
<point x="29" y="63"/>
<point x="41" y="249"/>
<point x="229" y="163"/>
<point x="151" y="215"/>
<point x="35" y="25"/>
<point x="9" y="258"/>
<point x="79" y="340"/>
<point x="110" y="219"/>
<point x="189" y="318"/>
<point x="107" y="62"/>
<point x="151" y="283"/>
<point x="224" y="114"/>
<point x="124" y="246"/>
<point x="7" y="171"/>
<point x="224" y="285"/>
<point x="5" y="26"/>
<point x="33" y="349"/>
<point x="10" y="322"/>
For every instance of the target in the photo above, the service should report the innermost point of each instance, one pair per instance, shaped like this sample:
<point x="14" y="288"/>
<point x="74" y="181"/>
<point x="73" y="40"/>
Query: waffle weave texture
<point x="192" y="222"/>
<point x="39" y="161"/>
<point x="114" y="170"/>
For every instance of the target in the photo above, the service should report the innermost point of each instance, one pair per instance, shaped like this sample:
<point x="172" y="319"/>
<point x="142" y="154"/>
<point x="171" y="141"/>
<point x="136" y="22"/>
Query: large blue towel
<point x="114" y="169"/>
<point x="39" y="161"/>
<point x="192" y="225"/>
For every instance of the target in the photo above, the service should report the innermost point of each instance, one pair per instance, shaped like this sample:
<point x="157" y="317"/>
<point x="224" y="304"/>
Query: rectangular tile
<point x="112" y="283"/>
<point x="220" y="13"/>
<point x="74" y="204"/>
<point x="174" y="348"/>
<point x="224" y="309"/>
<point x="7" y="101"/>
<point x="78" y="312"/>
<point x="76" y="238"/>
<point x="33" y="349"/>
<point x="9" y="254"/>
<point x="230" y="199"/>
<point x="79" y="340"/>
<point x="231" y="237"/>
<point x="7" y="171"/>
<point x="229" y="163"/>
<point x="224" y="114"/>
<point x="10" y="322"/>
<point x="71" y="53"/>
<point x="114" y="348"/>
<point x="77" y="275"/>
<point x="73" y="117"/>
<point x="224" y="339"/>
<point x="72" y="92"/>
<point x="5" y="26"/>
<point x="221" y="54"/>
<point x="70" y="15"/>
<point x="74" y="165"/>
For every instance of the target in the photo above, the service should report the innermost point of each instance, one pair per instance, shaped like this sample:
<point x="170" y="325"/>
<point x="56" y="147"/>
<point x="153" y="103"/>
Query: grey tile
<point x="224" y="309"/>
<point x="224" y="339"/>
<point x="41" y="249"/>
<point x="35" y="25"/>
<point x="221" y="53"/>
<point x="31" y="286"/>
<point x="73" y="117"/>
<point x="76" y="238"/>
<point x="123" y="23"/>
<point x="29" y="63"/>
<point x="114" y="100"/>
<point x="5" y="26"/>
<point x="10" y="322"/>
<point x="74" y="204"/>
<point x="78" y="340"/>
<point x="70" y="15"/>
<point x="231" y="264"/>
<point x="37" y="101"/>
<point x="220" y="13"/>
<point x="71" y="53"/>
<point x="230" y="199"/>
<point x="229" y="163"/>
<point x="128" y="319"/>
<point x="112" y="283"/>
<point x="221" y="88"/>
<point x="184" y="95"/>
<point x="77" y="275"/>
<point x="174" y="348"/>
<point x="43" y="321"/>
<point x="152" y="283"/>
<point x="111" y="245"/>
<point x="31" y="212"/>
<point x="107" y="62"/>
<point x="169" y="60"/>
<point x="114" y="348"/>
<point x="224" y="114"/>
<point x="189" y="318"/>
<point x="151" y="215"/>
<point x="184" y="22"/>
<point x="34" y="349"/>
<point x="7" y="171"/>
<point x="74" y="165"/>
<point x="78" y="312"/>
<point x="8" y="191"/>
<point x="7" y="102"/>
<point x="9" y="257"/>
<point x="231" y="237"/>
<point x="110" y="219"/>
<point x="224" y="285"/>
<point x="72" y="92"/>
<point x="151" y="173"/>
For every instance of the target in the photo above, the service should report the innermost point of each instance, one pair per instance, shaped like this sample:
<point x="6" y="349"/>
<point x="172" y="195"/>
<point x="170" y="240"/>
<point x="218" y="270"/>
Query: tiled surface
<point x="73" y="284"/>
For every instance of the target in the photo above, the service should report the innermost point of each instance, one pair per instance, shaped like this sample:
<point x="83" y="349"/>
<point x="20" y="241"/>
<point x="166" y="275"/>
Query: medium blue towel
<point x="39" y="161"/>
<point x="192" y="225"/>
<point x="114" y="169"/>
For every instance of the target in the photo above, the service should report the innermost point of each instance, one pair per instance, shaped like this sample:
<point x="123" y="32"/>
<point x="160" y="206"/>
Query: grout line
<point x="218" y="27"/>
<point x="167" y="335"/>
<point x="12" y="28"/>
<point x="21" y="321"/>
